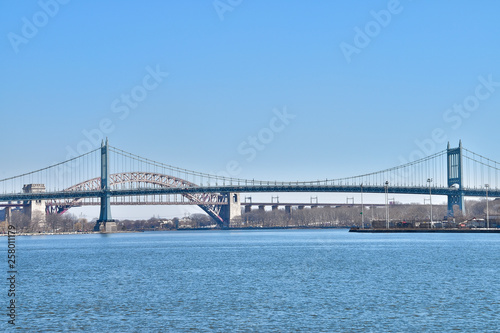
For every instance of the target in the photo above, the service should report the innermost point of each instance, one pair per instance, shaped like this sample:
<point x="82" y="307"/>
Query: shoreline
<point x="351" y="229"/>
<point x="66" y="233"/>
<point x="172" y="230"/>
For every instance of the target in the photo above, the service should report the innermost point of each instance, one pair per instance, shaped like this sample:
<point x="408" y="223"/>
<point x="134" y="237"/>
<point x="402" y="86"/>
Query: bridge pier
<point x="35" y="209"/>
<point x="455" y="200"/>
<point x="231" y="210"/>
<point x="8" y="215"/>
<point x="105" y="222"/>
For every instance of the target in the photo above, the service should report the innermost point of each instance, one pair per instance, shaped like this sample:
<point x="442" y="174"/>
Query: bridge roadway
<point x="305" y="204"/>
<point x="247" y="189"/>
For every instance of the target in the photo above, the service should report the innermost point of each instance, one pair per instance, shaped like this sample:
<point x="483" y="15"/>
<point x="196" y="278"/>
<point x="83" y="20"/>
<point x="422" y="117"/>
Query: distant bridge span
<point x="440" y="174"/>
<point x="211" y="203"/>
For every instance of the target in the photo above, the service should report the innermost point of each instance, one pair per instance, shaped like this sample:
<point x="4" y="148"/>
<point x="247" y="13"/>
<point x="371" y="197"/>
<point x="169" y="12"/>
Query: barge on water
<point x="439" y="230"/>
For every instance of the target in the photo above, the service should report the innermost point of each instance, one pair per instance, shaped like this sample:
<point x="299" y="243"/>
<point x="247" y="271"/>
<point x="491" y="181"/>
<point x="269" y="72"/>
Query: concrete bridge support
<point x="8" y="215"/>
<point x="35" y="209"/>
<point x="232" y="210"/>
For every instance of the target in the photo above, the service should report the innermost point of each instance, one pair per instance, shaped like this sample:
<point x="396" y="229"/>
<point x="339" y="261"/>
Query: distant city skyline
<point x="252" y="89"/>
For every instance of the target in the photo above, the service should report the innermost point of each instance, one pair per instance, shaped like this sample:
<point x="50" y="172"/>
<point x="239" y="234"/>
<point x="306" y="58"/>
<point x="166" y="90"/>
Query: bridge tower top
<point x="455" y="169"/>
<point x="34" y="188"/>
<point x="35" y="209"/>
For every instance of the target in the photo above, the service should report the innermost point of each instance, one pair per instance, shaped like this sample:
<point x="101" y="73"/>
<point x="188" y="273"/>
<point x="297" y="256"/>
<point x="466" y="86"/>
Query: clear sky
<point x="291" y="90"/>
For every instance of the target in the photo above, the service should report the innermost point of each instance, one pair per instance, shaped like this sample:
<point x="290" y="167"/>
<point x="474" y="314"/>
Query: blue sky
<point x="233" y="65"/>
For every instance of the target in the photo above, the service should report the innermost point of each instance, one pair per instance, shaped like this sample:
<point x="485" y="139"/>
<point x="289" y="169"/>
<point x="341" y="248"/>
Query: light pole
<point x="429" y="180"/>
<point x="487" y="210"/>
<point x="386" y="204"/>
<point x="362" y="213"/>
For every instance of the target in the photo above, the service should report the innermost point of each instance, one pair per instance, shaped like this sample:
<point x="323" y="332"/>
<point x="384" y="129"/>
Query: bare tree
<point x="20" y="220"/>
<point x="37" y="222"/>
<point x="53" y="222"/>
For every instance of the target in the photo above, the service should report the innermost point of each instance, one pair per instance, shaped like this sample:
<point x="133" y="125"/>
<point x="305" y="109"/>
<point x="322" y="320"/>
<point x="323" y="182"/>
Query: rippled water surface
<point x="262" y="281"/>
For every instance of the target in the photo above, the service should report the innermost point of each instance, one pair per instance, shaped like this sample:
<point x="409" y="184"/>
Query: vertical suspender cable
<point x="482" y="171"/>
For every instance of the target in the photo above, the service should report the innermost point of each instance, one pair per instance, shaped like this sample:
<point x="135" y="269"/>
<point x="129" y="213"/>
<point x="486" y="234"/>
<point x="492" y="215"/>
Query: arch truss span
<point x="211" y="203"/>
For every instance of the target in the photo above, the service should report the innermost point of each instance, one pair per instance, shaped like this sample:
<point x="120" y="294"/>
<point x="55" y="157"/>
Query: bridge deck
<point x="245" y="189"/>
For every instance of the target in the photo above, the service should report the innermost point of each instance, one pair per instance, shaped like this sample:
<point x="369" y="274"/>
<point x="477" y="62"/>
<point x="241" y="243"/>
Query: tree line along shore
<point x="327" y="217"/>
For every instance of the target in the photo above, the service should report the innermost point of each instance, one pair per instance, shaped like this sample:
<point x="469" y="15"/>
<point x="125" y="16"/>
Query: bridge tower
<point x="231" y="210"/>
<point x="8" y="215"/>
<point x="455" y="175"/>
<point x="105" y="222"/>
<point x="35" y="209"/>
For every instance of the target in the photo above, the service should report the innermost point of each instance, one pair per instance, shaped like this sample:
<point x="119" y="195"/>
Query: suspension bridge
<point x="87" y="180"/>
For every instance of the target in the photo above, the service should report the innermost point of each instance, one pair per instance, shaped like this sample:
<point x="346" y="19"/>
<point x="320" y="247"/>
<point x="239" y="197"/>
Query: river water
<point x="257" y="281"/>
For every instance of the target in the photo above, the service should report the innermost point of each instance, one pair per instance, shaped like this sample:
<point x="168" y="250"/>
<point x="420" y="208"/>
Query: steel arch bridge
<point x="211" y="203"/>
